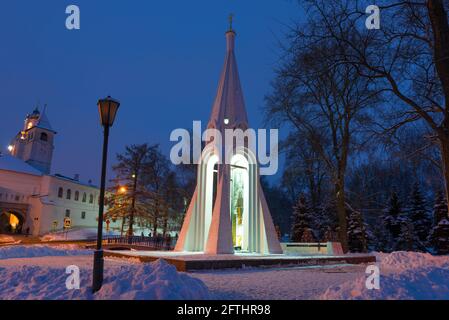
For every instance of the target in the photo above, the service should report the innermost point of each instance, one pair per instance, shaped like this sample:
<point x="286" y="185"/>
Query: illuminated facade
<point x="32" y="199"/>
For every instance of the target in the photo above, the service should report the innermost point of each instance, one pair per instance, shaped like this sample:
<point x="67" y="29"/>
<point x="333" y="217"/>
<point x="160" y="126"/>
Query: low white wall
<point x="312" y="248"/>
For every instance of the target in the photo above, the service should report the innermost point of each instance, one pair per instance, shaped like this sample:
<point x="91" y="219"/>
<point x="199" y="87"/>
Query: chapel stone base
<point x="190" y="262"/>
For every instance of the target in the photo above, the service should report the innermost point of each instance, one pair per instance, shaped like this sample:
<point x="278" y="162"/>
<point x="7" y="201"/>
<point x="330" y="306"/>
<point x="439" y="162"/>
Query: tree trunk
<point x="165" y="225"/>
<point x="155" y="218"/>
<point x="341" y="215"/>
<point x="444" y="147"/>
<point x="440" y="28"/>
<point x="155" y="225"/>
<point x="123" y="226"/>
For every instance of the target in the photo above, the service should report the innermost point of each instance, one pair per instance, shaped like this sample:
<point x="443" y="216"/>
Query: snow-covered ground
<point x="403" y="275"/>
<point x="38" y="272"/>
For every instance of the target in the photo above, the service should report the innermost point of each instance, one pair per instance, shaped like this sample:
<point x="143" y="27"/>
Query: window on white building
<point x="77" y="195"/>
<point x="60" y="192"/>
<point x="67" y="213"/>
<point x="69" y="194"/>
<point x="84" y="197"/>
<point x="83" y="215"/>
<point x="91" y="198"/>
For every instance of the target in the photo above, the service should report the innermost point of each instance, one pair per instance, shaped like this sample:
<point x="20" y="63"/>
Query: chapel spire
<point x="228" y="110"/>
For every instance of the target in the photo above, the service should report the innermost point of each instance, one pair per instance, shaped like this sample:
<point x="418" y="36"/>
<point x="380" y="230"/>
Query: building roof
<point x="229" y="103"/>
<point x="43" y="122"/>
<point x="75" y="181"/>
<point x="10" y="163"/>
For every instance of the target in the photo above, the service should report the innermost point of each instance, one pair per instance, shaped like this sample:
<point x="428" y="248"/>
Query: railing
<point x="318" y="245"/>
<point x="155" y="243"/>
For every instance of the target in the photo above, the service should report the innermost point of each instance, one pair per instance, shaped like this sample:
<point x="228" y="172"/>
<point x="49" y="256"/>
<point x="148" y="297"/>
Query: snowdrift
<point x="152" y="281"/>
<point x="19" y="251"/>
<point x="403" y="276"/>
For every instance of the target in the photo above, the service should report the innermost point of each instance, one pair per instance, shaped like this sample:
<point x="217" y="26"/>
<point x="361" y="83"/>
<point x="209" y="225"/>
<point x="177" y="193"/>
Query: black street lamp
<point x="108" y="109"/>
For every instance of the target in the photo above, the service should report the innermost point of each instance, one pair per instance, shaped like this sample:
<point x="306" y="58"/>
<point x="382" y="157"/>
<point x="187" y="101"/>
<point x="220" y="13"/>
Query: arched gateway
<point x="228" y="211"/>
<point x="11" y="220"/>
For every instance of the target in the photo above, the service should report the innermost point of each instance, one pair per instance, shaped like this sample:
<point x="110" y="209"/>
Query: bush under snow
<point x="157" y="280"/>
<point x="403" y="276"/>
<point x="404" y="260"/>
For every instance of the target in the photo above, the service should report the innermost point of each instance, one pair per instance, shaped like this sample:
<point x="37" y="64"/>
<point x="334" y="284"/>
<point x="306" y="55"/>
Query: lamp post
<point x="133" y="206"/>
<point x="108" y="109"/>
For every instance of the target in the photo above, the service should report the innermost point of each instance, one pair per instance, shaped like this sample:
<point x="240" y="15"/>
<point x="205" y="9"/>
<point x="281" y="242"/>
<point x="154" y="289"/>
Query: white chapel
<point x="228" y="212"/>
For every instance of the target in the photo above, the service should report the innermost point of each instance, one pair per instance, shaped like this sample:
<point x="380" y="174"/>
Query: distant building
<point x="31" y="198"/>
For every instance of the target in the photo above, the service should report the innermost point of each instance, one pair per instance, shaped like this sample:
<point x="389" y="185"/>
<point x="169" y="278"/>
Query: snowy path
<point x="282" y="283"/>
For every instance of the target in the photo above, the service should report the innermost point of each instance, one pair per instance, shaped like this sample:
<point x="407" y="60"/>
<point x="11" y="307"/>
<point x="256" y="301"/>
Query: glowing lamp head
<point x="10" y="148"/>
<point x="122" y="189"/>
<point x="108" y="108"/>
<point x="226" y="121"/>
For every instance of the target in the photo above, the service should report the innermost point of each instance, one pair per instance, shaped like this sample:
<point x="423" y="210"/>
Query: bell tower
<point x="34" y="144"/>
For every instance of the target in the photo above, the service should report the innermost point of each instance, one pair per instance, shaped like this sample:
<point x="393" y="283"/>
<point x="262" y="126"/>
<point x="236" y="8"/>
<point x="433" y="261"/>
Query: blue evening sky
<point x="161" y="59"/>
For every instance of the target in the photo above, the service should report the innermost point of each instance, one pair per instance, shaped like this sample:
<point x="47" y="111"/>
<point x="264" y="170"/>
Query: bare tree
<point x="304" y="171"/>
<point x="328" y="105"/>
<point x="132" y="171"/>
<point x="408" y="57"/>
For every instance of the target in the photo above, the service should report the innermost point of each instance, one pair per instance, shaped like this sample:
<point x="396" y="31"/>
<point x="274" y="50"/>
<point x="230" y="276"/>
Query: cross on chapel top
<point x="231" y="19"/>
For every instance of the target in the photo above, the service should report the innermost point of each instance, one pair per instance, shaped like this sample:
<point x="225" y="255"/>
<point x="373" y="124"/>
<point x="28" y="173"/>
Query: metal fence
<point x="155" y="243"/>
